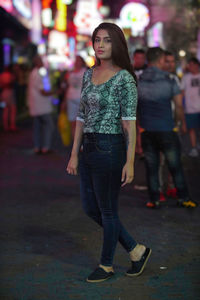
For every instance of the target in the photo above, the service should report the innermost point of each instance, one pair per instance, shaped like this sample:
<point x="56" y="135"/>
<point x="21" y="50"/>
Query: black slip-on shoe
<point x="138" y="266"/>
<point x="99" y="275"/>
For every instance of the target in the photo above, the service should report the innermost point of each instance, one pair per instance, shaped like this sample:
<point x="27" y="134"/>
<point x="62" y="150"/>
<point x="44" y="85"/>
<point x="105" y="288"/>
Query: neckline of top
<point x="96" y="85"/>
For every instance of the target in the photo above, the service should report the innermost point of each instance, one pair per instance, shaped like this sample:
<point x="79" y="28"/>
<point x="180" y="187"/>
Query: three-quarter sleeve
<point x="128" y="97"/>
<point x="81" y="112"/>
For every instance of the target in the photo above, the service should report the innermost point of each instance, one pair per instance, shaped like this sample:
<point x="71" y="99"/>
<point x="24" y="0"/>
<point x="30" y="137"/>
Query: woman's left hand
<point x="127" y="174"/>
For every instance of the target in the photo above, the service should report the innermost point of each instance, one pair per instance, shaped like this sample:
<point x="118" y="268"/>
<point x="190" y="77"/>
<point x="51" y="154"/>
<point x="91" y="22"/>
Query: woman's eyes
<point x="106" y="40"/>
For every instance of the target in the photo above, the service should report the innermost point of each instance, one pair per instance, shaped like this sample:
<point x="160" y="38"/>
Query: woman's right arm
<point x="72" y="167"/>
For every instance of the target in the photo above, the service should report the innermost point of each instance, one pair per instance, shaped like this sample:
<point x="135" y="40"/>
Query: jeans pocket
<point x="103" y="147"/>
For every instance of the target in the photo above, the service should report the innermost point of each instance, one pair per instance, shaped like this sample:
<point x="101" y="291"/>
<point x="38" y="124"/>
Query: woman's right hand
<point x="72" y="167"/>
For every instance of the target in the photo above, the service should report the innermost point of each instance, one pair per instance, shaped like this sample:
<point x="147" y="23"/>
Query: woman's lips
<point x="100" y="51"/>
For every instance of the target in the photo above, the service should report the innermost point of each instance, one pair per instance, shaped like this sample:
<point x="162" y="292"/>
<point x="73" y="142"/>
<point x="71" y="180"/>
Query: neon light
<point x="67" y="2"/>
<point x="36" y="22"/>
<point x="46" y="3"/>
<point x="155" y="35"/>
<point x="6" y="50"/>
<point x="57" y="40"/>
<point x="47" y="17"/>
<point x="61" y="18"/>
<point x="7" y="5"/>
<point x="23" y="7"/>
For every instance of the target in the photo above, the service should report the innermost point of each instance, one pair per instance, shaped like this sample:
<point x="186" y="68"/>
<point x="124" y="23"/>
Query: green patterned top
<point x="103" y="106"/>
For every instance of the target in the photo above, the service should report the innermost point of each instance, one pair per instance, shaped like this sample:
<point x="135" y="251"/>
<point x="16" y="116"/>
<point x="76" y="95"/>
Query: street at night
<point x="49" y="246"/>
<point x="100" y="150"/>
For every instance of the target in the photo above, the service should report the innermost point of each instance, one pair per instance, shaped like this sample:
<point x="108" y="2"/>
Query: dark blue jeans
<point x="101" y="164"/>
<point x="168" y="143"/>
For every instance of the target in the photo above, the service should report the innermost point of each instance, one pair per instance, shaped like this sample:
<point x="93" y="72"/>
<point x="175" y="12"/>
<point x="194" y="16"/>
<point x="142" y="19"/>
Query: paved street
<point x="48" y="245"/>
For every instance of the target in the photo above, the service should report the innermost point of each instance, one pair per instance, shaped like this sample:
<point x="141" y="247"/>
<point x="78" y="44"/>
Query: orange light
<point x="46" y="3"/>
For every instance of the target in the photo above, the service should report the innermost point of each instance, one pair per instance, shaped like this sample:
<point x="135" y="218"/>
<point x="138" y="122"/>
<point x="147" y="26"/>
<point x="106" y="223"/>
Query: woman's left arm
<point x="129" y="129"/>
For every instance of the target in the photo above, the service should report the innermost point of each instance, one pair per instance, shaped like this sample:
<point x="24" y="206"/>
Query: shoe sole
<point x="99" y="280"/>
<point x="142" y="269"/>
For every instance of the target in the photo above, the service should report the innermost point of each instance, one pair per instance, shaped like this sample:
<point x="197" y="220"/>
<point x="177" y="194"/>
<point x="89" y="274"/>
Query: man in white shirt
<point x="40" y="107"/>
<point x="190" y="86"/>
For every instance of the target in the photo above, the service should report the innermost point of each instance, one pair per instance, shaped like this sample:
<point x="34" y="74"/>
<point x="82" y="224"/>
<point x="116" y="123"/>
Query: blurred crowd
<point x="45" y="93"/>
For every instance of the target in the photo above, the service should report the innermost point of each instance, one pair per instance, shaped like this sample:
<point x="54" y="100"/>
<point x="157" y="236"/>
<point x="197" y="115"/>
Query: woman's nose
<point x="101" y="43"/>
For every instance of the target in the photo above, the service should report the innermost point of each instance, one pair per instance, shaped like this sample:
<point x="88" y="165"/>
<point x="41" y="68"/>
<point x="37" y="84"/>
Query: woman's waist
<point x="94" y="137"/>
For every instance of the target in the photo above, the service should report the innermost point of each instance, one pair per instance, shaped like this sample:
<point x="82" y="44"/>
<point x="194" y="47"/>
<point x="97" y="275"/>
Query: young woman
<point x="106" y="127"/>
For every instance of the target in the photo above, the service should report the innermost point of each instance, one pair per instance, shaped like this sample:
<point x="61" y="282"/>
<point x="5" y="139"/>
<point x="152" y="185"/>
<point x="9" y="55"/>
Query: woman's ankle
<point x="106" y="268"/>
<point x="137" y="252"/>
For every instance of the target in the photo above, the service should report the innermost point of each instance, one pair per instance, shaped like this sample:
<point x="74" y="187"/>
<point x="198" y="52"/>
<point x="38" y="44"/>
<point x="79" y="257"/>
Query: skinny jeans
<point x="101" y="164"/>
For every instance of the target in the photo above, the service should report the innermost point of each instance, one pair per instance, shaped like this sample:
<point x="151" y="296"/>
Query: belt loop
<point x="94" y="137"/>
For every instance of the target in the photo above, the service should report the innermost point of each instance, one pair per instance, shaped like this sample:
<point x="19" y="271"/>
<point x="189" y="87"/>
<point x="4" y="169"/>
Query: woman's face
<point x="103" y="45"/>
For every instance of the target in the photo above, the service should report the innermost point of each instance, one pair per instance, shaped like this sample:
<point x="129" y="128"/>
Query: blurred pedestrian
<point x="139" y="62"/>
<point x="190" y="86"/>
<point x="73" y="91"/>
<point x="166" y="182"/>
<point x="155" y="90"/>
<point x="7" y="96"/>
<point x="40" y="107"/>
<point x="139" y="65"/>
<point x="106" y="126"/>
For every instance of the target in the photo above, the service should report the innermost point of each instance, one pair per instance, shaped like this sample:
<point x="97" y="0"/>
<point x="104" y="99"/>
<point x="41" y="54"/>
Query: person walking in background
<point x="139" y="65"/>
<point x="155" y="91"/>
<point x="106" y="127"/>
<point x="190" y="86"/>
<point x="40" y="108"/>
<point x="73" y="91"/>
<point x="170" y="63"/>
<point x="7" y="96"/>
<point x="166" y="182"/>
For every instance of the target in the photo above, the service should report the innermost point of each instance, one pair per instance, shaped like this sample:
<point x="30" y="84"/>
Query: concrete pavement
<point x="48" y="246"/>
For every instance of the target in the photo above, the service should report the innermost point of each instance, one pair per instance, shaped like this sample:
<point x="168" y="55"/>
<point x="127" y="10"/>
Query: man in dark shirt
<point x="155" y="90"/>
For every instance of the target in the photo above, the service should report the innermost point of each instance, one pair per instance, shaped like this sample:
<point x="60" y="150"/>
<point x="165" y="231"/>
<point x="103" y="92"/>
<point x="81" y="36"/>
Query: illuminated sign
<point x="134" y="16"/>
<point x="155" y="36"/>
<point x="7" y="5"/>
<point x="87" y="17"/>
<point x="47" y="17"/>
<point x="57" y="39"/>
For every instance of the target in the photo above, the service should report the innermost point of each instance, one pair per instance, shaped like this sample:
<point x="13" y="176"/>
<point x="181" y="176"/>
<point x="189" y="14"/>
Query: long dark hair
<point x="120" y="56"/>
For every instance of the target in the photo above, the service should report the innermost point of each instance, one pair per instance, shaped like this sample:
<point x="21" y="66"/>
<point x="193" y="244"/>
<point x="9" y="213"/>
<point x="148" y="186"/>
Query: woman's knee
<point x="109" y="214"/>
<point x="91" y="212"/>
